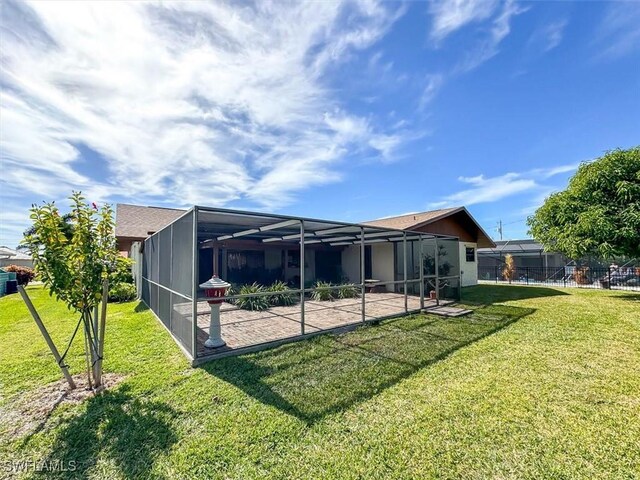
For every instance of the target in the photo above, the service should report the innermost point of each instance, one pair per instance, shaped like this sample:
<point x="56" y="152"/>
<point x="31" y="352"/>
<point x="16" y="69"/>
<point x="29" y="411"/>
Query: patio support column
<point x="404" y="270"/>
<point x="421" y="275"/>
<point x="194" y="285"/>
<point x="436" y="262"/>
<point x="362" y="272"/>
<point x="302" y="257"/>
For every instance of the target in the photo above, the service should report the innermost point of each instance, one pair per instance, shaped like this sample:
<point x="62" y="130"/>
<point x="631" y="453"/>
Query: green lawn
<point x="536" y="383"/>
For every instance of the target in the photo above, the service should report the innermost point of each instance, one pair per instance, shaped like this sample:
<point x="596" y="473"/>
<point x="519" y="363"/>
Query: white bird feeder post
<point x="215" y="288"/>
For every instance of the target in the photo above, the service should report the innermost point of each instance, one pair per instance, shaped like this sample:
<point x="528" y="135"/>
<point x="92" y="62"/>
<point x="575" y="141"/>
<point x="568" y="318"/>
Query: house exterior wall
<point x="124" y="245"/>
<point x="351" y="263"/>
<point x="382" y="261"/>
<point x="468" y="270"/>
<point x="18" y="262"/>
<point x="449" y="226"/>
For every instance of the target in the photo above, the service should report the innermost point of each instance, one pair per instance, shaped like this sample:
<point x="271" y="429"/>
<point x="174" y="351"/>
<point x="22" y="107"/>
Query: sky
<point x="347" y="111"/>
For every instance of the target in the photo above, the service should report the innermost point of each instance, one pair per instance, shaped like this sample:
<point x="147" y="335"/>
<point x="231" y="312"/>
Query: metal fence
<point x="620" y="278"/>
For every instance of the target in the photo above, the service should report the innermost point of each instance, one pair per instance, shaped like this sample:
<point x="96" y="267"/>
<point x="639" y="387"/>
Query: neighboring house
<point x="525" y="253"/>
<point x="134" y="223"/>
<point x="456" y="222"/>
<point x="528" y="253"/>
<point x="8" y="256"/>
<point x="235" y="259"/>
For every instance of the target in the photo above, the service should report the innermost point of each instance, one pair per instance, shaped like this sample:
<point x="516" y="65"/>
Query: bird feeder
<point x="214" y="289"/>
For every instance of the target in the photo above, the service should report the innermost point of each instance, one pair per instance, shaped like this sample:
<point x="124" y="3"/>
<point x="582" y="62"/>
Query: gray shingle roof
<point x="139" y="221"/>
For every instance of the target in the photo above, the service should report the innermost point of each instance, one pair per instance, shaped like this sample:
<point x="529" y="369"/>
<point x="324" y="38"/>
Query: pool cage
<point x="290" y="277"/>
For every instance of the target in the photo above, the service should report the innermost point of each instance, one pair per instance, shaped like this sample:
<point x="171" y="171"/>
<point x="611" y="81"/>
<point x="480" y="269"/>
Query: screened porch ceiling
<point x="216" y="225"/>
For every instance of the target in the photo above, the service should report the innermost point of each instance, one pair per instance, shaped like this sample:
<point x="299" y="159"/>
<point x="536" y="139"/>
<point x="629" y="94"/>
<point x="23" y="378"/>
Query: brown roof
<point x="138" y="221"/>
<point x="414" y="221"/>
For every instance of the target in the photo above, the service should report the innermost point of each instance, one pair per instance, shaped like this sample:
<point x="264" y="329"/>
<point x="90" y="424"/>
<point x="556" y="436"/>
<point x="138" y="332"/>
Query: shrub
<point x="122" y="292"/>
<point x="122" y="271"/>
<point x="348" y="291"/>
<point x="23" y="274"/>
<point x="253" y="303"/>
<point x="283" y="299"/>
<point x="232" y="290"/>
<point x="322" y="292"/>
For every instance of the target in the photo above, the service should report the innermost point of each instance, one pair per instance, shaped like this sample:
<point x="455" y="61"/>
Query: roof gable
<point x="414" y="221"/>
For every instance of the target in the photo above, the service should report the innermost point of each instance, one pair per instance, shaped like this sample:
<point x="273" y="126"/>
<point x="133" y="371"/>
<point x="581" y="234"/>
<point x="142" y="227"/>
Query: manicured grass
<point x="536" y="383"/>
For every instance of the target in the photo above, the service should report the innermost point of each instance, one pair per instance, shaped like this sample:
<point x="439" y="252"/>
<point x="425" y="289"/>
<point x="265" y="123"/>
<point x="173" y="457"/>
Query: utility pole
<point x="499" y="229"/>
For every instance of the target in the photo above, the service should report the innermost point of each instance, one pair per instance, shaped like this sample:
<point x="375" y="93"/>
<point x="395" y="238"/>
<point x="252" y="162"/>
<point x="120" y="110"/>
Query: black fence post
<point x="496" y="273"/>
<point x="527" y="275"/>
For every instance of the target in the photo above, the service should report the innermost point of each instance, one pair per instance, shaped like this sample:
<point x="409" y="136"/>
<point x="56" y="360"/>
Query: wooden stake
<point x="87" y="348"/>
<point x="47" y="337"/>
<point x="103" y="321"/>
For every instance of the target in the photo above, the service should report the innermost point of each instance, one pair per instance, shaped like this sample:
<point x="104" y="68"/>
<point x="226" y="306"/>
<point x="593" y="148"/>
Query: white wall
<point x="382" y="261"/>
<point x="351" y="263"/>
<point x="136" y="269"/>
<point x="468" y="270"/>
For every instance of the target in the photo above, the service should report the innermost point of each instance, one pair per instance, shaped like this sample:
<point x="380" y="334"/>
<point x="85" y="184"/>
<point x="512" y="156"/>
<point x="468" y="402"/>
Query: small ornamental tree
<point x="74" y="258"/>
<point x="509" y="270"/>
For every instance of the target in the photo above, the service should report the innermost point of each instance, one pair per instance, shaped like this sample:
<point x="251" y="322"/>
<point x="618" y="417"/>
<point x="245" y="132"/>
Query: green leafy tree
<point x="74" y="258"/>
<point x="598" y="213"/>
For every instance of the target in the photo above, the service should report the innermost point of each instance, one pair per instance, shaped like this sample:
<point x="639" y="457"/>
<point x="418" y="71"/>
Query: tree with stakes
<point x="73" y="258"/>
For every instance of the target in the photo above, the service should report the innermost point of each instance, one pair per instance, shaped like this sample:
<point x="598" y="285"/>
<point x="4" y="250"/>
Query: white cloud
<point x="551" y="35"/>
<point x="485" y="190"/>
<point x="487" y="47"/>
<point x="492" y="189"/>
<point x="186" y="102"/>
<point x="619" y="31"/>
<point x="492" y="17"/>
<point x="451" y="15"/>
<point x="433" y="83"/>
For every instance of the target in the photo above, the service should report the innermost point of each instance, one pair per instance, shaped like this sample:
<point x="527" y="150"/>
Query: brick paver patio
<point x="243" y="328"/>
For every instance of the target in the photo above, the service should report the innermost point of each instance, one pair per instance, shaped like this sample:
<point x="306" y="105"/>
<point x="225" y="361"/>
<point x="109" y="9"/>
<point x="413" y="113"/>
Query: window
<point x="471" y="254"/>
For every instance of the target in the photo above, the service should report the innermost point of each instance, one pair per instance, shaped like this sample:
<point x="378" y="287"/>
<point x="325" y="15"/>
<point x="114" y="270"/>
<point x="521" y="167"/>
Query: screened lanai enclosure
<point x="288" y="277"/>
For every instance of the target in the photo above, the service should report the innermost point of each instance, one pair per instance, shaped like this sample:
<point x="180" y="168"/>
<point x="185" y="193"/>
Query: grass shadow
<point x="141" y="307"/>
<point x="330" y="373"/>
<point x="489" y="294"/>
<point x="630" y="297"/>
<point x="118" y="427"/>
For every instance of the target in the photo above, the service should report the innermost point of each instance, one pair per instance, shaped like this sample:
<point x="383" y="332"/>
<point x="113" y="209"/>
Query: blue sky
<point x="338" y="110"/>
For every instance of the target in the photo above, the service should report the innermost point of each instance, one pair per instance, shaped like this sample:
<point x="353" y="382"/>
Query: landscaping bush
<point x="253" y="303"/>
<point x="122" y="271"/>
<point x="323" y="291"/>
<point x="24" y="275"/>
<point x="283" y="299"/>
<point x="348" y="291"/>
<point x="122" y="292"/>
<point x="232" y="290"/>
